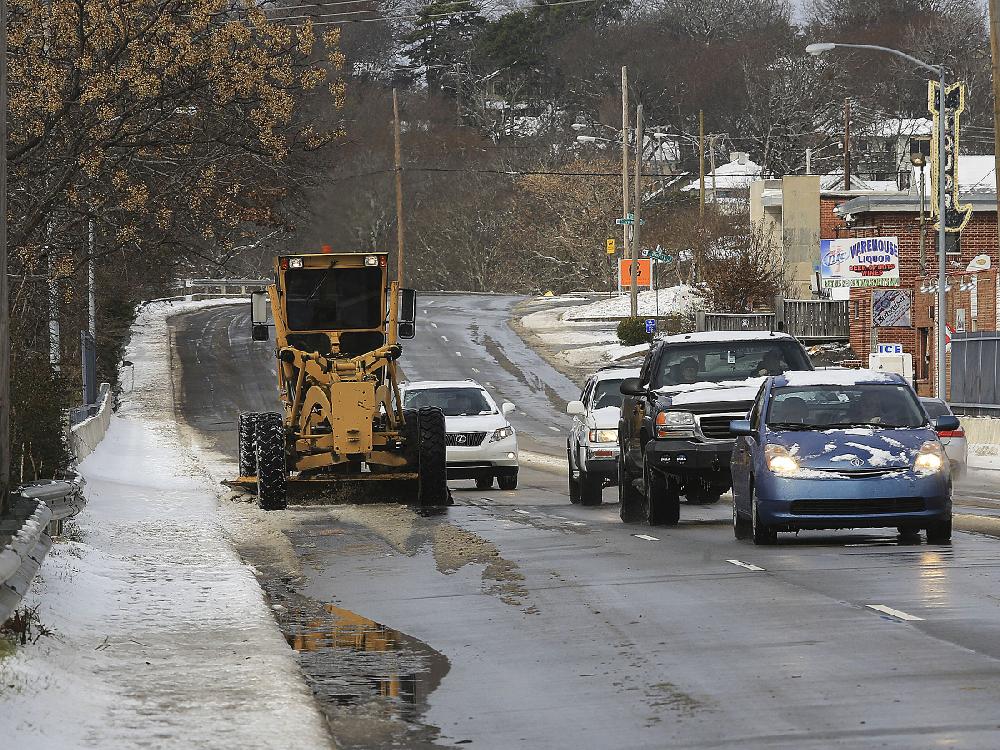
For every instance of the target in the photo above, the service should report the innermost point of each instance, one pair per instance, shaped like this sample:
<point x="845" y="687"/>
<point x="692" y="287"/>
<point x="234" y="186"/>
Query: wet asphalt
<point x="561" y="627"/>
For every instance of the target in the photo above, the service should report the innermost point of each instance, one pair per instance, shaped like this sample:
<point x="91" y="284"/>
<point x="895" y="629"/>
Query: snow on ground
<point x="674" y="300"/>
<point x="161" y="636"/>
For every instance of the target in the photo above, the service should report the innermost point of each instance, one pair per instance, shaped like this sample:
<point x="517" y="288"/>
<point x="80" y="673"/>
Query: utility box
<point x="899" y="363"/>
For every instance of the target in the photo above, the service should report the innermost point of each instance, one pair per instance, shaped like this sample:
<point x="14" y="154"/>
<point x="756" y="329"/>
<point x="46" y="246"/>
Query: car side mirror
<point x="260" y="333"/>
<point x="507" y="408"/>
<point x="407" y="306"/>
<point x="632" y="387"/>
<point x="406" y="329"/>
<point x="575" y="408"/>
<point x="946" y="423"/>
<point x="740" y="427"/>
<point x="259" y="304"/>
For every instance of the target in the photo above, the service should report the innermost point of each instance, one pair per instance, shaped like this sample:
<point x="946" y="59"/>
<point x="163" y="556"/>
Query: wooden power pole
<point x="995" y="54"/>
<point x="701" y="163"/>
<point x="625" y="180"/>
<point x="399" y="187"/>
<point x="847" y="144"/>
<point x="639" y="137"/>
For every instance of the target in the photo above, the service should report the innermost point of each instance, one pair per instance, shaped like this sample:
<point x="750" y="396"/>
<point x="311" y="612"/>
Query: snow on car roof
<point x="721" y="336"/>
<point x="836" y="377"/>
<point x="616" y="373"/>
<point x="426" y="384"/>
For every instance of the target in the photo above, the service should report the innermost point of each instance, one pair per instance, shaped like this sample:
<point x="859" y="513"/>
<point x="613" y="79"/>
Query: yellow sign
<point x="611" y="246"/>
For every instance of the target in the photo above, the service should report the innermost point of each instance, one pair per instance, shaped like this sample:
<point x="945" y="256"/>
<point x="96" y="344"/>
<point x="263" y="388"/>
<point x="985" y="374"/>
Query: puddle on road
<point x="371" y="681"/>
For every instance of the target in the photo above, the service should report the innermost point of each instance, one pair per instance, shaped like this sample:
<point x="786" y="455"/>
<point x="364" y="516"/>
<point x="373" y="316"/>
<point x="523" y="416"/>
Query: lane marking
<point x="561" y="518"/>
<point x="899" y="615"/>
<point x="575" y="523"/>
<point x="425" y="312"/>
<point x="433" y="325"/>
<point x="647" y="537"/>
<point x="475" y="370"/>
<point x="444" y="339"/>
<point x="522" y="512"/>
<point x="458" y="354"/>
<point x="555" y="429"/>
<point x="748" y="566"/>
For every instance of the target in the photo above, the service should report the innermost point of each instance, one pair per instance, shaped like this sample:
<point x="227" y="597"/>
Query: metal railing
<point x="38" y="510"/>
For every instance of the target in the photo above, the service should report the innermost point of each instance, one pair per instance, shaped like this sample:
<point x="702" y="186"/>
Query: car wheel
<point x="484" y="482"/>
<point x="741" y="525"/>
<point x="939" y="532"/>
<point x="574" y="484"/>
<point x="508" y="481"/>
<point x="591" y="489"/>
<point x="761" y="532"/>
<point x="629" y="498"/>
<point x="664" y="499"/>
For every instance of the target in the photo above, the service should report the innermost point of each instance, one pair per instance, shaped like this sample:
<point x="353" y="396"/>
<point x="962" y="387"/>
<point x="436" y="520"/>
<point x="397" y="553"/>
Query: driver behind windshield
<point x="685" y="371"/>
<point x="771" y="364"/>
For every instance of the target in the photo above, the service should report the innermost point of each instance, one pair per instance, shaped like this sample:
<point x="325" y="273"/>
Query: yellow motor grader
<point x="337" y="324"/>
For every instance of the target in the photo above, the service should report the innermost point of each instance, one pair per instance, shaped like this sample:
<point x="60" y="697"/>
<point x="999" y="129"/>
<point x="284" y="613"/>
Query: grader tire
<point x="272" y="475"/>
<point x="247" y="451"/>
<point x="432" y="458"/>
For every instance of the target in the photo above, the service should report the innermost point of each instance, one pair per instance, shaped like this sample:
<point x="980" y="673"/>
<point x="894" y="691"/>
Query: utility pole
<point x="995" y="55"/>
<point x="809" y="153"/>
<point x="625" y="180"/>
<point x="847" y="144"/>
<point x="399" y="187"/>
<point x="711" y="163"/>
<point x="4" y="296"/>
<point x="91" y="283"/>
<point x="701" y="163"/>
<point x="639" y="137"/>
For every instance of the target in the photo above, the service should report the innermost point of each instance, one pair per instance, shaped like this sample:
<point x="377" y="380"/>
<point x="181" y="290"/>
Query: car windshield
<point x="454" y="402"/>
<point x="607" y="393"/>
<point x="335" y="298"/>
<point x="829" y="406"/>
<point x="715" y="361"/>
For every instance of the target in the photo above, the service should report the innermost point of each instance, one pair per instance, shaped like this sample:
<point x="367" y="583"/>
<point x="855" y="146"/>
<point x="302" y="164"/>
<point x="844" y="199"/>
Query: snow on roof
<point x="976" y="174"/>
<point x="892" y="127"/>
<point x="617" y="373"/>
<point x="701" y="336"/>
<point x="736" y="175"/>
<point x="799" y="379"/>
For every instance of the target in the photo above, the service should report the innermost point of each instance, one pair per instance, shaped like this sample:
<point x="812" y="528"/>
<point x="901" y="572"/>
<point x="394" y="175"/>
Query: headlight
<point x="295" y="262"/>
<point x="502" y="434"/>
<point x="603" y="436"/>
<point x="371" y="260"/>
<point x="930" y="458"/>
<point x="674" y="424"/>
<point x="780" y="461"/>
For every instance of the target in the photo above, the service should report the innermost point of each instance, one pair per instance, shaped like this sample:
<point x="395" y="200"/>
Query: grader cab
<point x="337" y="324"/>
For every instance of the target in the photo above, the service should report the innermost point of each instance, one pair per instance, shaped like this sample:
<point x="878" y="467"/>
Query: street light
<point x="942" y="301"/>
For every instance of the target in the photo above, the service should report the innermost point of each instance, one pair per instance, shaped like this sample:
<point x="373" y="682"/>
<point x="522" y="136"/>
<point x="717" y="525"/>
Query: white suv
<point x="592" y="448"/>
<point x="481" y="443"/>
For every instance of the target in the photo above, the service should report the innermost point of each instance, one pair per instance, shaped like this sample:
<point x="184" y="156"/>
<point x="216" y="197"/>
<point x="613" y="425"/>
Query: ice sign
<point x="889" y="349"/>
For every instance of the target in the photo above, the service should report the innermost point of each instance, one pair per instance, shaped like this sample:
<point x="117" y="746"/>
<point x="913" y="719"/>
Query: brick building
<point x="972" y="298"/>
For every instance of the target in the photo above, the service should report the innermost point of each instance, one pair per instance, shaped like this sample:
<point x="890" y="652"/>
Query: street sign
<point x="643" y="253"/>
<point x="662" y="257"/>
<point x="629" y="220"/>
<point x="611" y="246"/>
<point x="650" y="325"/>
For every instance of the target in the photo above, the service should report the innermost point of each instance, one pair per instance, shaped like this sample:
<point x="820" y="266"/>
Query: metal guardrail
<point x="38" y="506"/>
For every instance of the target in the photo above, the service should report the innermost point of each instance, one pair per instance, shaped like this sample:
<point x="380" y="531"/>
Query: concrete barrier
<point x="84" y="437"/>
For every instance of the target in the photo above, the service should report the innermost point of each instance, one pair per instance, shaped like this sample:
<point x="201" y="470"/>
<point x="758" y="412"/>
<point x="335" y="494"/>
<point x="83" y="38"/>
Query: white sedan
<point x="481" y="443"/>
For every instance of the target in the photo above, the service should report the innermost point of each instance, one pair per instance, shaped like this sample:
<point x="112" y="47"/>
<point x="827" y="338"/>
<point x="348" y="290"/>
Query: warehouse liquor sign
<point x="871" y="261"/>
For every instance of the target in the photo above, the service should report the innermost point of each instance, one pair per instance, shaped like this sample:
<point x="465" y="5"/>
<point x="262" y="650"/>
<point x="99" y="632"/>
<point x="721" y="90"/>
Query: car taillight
<point x="959" y="433"/>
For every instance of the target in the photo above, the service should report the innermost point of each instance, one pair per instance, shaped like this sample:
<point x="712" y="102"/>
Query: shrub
<point x="632" y="332"/>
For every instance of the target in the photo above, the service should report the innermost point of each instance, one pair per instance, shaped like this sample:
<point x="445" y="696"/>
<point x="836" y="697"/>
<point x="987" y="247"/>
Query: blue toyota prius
<point x="840" y="449"/>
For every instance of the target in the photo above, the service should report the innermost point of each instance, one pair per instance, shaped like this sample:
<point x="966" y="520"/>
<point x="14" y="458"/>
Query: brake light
<point x="327" y="250"/>
<point x="284" y="264"/>
<point x="959" y="433"/>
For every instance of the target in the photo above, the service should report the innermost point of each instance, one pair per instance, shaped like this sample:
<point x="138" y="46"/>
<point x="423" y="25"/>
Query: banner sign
<point x="860" y="262"/>
<point x="891" y="308"/>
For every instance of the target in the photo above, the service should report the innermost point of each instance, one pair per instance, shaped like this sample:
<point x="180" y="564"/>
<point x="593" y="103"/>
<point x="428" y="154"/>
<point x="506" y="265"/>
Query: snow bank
<point x="675" y="300"/>
<point x="161" y="635"/>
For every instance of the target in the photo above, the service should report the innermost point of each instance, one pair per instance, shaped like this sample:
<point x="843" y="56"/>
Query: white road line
<point x="444" y="339"/>
<point x="554" y="429"/>
<point x="899" y="615"/>
<point x="458" y="354"/>
<point x="433" y="325"/>
<point x="647" y="537"/>
<point x="425" y="312"/>
<point x="522" y="512"/>
<point x="742" y="564"/>
<point x="561" y="518"/>
<point x="575" y="523"/>
<point x="475" y="370"/>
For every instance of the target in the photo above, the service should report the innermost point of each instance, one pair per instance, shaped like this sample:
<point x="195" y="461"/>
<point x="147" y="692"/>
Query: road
<point x="515" y="619"/>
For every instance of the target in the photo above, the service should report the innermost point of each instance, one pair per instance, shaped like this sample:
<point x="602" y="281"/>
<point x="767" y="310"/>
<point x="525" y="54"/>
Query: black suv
<point x="674" y="434"/>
